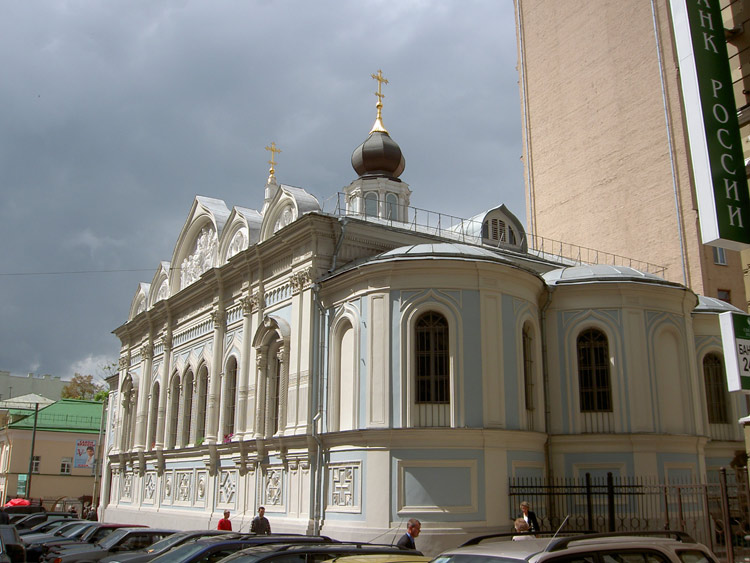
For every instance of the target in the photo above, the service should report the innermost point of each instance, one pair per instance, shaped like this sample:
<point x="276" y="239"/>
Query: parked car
<point x="215" y="548"/>
<point x="654" y="547"/>
<point x="36" y="543"/>
<point x="31" y="520"/>
<point x="162" y="546"/>
<point x="95" y="534"/>
<point x="13" y="550"/>
<point x="302" y="553"/>
<point x="381" y="558"/>
<point x="124" y="539"/>
<point x="46" y="527"/>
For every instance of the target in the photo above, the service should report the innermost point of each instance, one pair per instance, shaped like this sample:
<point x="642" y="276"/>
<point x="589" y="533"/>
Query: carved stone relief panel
<point x="201" y="480"/>
<point x="183" y="487"/>
<point x="127" y="487"/>
<point x="344" y="487"/>
<point x="149" y="487"/>
<point x="227" y="484"/>
<point x="168" y="489"/>
<point x="273" y="489"/>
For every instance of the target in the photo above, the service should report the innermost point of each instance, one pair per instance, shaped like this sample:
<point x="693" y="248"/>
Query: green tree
<point x="81" y="387"/>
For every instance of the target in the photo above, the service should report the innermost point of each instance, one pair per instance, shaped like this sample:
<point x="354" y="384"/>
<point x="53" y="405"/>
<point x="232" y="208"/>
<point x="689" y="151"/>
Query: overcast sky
<point x="114" y="115"/>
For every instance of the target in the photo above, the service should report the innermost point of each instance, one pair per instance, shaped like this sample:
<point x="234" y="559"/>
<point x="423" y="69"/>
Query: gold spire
<point x="271" y="171"/>
<point x="378" y="121"/>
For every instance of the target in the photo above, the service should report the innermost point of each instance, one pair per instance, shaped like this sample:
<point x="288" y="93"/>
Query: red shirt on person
<point x="224" y="523"/>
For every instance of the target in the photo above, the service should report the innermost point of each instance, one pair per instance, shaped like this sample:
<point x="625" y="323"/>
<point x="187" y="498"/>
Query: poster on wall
<point x="84" y="454"/>
<point x="735" y="339"/>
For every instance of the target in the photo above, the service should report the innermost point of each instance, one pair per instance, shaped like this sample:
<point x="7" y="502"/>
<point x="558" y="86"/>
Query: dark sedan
<point x="162" y="546"/>
<point x="301" y="553"/>
<point x="71" y="531"/>
<point x="124" y="539"/>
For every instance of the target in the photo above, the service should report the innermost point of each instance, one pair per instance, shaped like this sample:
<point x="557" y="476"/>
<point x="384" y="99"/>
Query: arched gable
<point x="197" y="246"/>
<point x="288" y="205"/>
<point x="159" y="290"/>
<point x="242" y="231"/>
<point x="140" y="300"/>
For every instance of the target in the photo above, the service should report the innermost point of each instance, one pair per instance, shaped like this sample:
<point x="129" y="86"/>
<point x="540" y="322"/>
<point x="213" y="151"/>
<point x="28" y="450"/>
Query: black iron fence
<point x="637" y="504"/>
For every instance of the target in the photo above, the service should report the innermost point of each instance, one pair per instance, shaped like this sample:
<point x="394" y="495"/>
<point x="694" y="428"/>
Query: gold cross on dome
<point x="274" y="151"/>
<point x="378" y="126"/>
<point x="381" y="80"/>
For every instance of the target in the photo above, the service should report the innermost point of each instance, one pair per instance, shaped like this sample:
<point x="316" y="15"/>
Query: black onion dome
<point x="379" y="155"/>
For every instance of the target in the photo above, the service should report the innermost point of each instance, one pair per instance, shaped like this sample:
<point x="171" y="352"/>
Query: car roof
<point x="381" y="558"/>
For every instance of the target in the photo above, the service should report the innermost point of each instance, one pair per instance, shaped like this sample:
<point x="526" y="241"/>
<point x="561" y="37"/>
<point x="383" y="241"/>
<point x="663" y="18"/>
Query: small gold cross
<point x="379" y="121"/>
<point x="273" y="150"/>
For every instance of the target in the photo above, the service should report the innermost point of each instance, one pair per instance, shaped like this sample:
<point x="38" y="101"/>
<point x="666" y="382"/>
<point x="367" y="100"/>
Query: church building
<point x="350" y="370"/>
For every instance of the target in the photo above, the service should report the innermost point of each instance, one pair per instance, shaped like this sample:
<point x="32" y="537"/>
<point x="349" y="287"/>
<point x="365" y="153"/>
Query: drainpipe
<point x="545" y="380"/>
<point x="320" y="415"/>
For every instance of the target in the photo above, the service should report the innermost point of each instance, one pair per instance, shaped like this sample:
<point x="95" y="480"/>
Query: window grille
<point x="593" y="372"/>
<point x="432" y="377"/>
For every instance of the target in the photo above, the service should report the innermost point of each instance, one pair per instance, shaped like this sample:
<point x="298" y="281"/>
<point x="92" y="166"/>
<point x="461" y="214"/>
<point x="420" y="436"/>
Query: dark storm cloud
<point x="116" y="114"/>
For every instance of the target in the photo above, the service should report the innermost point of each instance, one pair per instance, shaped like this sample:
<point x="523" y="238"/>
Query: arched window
<point x="432" y="369"/>
<point x="174" y="412"/>
<point x="371" y="204"/>
<point x="200" y="422"/>
<point x="593" y="371"/>
<point x="716" y="389"/>
<point x="391" y="206"/>
<point x="528" y="375"/>
<point x="230" y="398"/>
<point x="153" y="417"/>
<point x="343" y="406"/>
<point x="274" y="393"/>
<point x="187" y="408"/>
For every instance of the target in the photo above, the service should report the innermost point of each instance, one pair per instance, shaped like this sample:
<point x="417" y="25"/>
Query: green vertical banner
<point x="713" y="129"/>
<point x="735" y="338"/>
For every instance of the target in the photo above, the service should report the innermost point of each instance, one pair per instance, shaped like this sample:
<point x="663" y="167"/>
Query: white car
<point x="627" y="547"/>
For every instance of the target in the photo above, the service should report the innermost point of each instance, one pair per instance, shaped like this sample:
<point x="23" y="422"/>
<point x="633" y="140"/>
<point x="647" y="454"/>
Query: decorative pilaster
<point x="261" y="362"/>
<point x="249" y="304"/>
<point x="283" y="387"/>
<point x="300" y="280"/>
<point x="214" y="393"/>
<point x="163" y="394"/>
<point x="147" y="355"/>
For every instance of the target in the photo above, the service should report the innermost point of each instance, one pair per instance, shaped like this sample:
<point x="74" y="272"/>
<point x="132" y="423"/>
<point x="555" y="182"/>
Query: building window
<point x="371" y="204"/>
<point x="230" y="397"/>
<point x="65" y="464"/>
<point x="528" y="381"/>
<point x="724" y="295"/>
<point x="716" y="391"/>
<point x="35" y="464"/>
<point x="187" y="407"/>
<point x="274" y="393"/>
<point x="153" y="416"/>
<point x="432" y="367"/>
<point x="174" y="412"/>
<point x="593" y="372"/>
<point x="720" y="256"/>
<point x="391" y="206"/>
<point x="200" y="431"/>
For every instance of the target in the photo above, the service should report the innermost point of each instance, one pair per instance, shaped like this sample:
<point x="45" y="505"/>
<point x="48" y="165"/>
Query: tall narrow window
<point x="593" y="372"/>
<point x="716" y="390"/>
<point x="528" y="366"/>
<point x="230" y="398"/>
<point x="187" y="408"/>
<point x="391" y="206"/>
<point x="153" y="417"/>
<point x="200" y="423"/>
<point x="371" y="204"/>
<point x="35" y="464"/>
<point x="274" y="393"/>
<point x="174" y="412"/>
<point x="432" y="369"/>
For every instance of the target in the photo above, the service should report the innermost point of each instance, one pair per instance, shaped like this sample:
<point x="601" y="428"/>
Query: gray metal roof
<point x="713" y="305"/>
<point x="602" y="272"/>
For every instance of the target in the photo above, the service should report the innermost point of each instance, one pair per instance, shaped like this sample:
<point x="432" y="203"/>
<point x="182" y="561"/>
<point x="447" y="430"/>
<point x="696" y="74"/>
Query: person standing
<point x="413" y="527"/>
<point x="528" y="515"/>
<point x="224" y="523"/>
<point x="260" y="524"/>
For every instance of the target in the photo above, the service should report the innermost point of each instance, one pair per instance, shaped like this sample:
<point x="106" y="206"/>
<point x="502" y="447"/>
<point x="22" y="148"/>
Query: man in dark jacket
<point x="413" y="527"/>
<point x="260" y="524"/>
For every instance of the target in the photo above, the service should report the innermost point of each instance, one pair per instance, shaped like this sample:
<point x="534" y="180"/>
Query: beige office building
<point x="606" y="150"/>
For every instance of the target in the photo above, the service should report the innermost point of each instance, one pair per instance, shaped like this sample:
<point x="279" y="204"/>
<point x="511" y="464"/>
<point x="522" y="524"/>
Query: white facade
<point x="351" y="371"/>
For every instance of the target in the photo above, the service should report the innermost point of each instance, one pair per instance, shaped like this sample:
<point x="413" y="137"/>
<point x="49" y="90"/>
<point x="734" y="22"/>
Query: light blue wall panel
<point x="510" y="365"/>
<point x="472" y="356"/>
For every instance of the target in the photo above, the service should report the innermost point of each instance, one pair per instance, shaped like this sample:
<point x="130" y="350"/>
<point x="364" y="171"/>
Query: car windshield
<point x="70" y="528"/>
<point x="166" y="543"/>
<point x="49" y="526"/>
<point x="471" y="558"/>
<point x="112" y="538"/>
<point x="179" y="553"/>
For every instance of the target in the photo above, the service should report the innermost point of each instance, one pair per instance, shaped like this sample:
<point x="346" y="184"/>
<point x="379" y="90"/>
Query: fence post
<point x="666" y="506"/>
<point x="611" y="502"/>
<point x="680" y="515"/>
<point x="589" y="503"/>
<point x="725" y="515"/>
